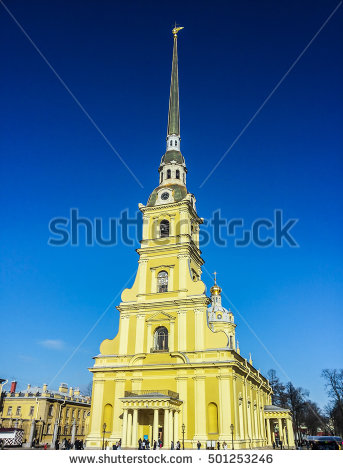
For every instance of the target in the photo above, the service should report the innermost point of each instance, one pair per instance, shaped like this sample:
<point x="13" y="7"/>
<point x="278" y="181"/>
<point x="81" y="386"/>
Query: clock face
<point x="164" y="196"/>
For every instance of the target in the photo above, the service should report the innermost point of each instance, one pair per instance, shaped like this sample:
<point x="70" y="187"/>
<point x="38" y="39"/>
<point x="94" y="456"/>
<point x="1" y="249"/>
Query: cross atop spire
<point x="215" y="277"/>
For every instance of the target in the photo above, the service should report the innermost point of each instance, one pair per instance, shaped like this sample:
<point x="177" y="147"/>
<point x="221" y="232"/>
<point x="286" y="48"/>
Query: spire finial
<point x="215" y="277"/>
<point x="176" y="29"/>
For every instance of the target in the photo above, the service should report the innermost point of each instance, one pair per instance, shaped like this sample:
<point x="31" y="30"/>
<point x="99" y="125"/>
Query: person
<point x="160" y="443"/>
<point x="57" y="444"/>
<point x="172" y="445"/>
<point x="218" y="445"/>
<point x="178" y="445"/>
<point x="119" y="444"/>
<point x="45" y="446"/>
<point x="224" y="445"/>
<point x="198" y="445"/>
<point x="155" y="445"/>
<point x="139" y="444"/>
<point x="115" y="446"/>
<point x="273" y="445"/>
<point x="147" y="444"/>
<point x="1" y="444"/>
<point x="143" y="444"/>
<point x="281" y="444"/>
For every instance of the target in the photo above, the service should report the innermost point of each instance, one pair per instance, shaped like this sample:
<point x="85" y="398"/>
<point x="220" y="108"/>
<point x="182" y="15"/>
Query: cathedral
<point x="174" y="372"/>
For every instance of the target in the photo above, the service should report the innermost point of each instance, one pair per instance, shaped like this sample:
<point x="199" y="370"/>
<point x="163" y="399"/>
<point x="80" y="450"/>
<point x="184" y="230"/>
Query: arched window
<point x="164" y="228"/>
<point x="212" y="418"/>
<point x="178" y="174"/>
<point x="161" y="339"/>
<point x="162" y="281"/>
<point x="108" y="415"/>
<point x="175" y="143"/>
<point x="51" y="409"/>
<point x="168" y="174"/>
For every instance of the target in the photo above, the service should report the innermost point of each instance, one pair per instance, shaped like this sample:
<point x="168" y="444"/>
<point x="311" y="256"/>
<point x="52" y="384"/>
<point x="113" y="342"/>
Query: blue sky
<point x="116" y="59"/>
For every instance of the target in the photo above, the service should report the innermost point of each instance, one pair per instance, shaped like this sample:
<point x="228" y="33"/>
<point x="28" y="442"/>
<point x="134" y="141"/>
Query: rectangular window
<point x="32" y="410"/>
<point x="9" y="411"/>
<point x="18" y="411"/>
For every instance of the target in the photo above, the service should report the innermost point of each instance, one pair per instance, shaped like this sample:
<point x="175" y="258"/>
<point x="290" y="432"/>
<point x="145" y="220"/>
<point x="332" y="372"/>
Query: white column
<point x="54" y="437"/>
<point x="155" y="426"/>
<point x="73" y="432"/>
<point x="96" y="410"/>
<point x="171" y="427"/>
<point x="183" y="267"/>
<point x="149" y="339"/>
<point x="123" y="332"/>
<point x="199" y="329"/>
<point x="117" y="408"/>
<point x="32" y="432"/>
<point x="145" y="231"/>
<point x="280" y="429"/>
<point x="290" y="433"/>
<point x="235" y="405"/>
<point x="153" y="280"/>
<point x="165" y="429"/>
<point x="200" y="408"/>
<point x="142" y="279"/>
<point x="134" y="428"/>
<point x="129" y="429"/>
<point x="124" y="434"/>
<point x="181" y="321"/>
<point x="171" y="286"/>
<point x="224" y="406"/>
<point x="172" y="337"/>
<point x="176" y="426"/>
<point x="139" y="333"/>
<point x="269" y="439"/>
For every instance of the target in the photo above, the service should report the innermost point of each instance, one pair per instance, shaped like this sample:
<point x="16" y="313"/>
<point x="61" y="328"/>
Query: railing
<point x="155" y="350"/>
<point x="142" y="393"/>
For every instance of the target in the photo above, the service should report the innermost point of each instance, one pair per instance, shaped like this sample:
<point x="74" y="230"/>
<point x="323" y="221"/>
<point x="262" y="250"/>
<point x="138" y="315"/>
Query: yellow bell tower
<point x="173" y="373"/>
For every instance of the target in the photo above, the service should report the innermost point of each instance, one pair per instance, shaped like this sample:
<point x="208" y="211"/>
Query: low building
<point x="46" y="415"/>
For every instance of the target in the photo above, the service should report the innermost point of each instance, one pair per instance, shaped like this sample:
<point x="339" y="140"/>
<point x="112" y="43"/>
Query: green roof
<point x="179" y="193"/>
<point x="173" y="155"/>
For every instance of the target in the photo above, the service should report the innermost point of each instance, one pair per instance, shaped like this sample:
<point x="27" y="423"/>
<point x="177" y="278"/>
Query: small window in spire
<point x="178" y="174"/>
<point x="164" y="228"/>
<point x="168" y="174"/>
<point x="170" y="143"/>
<point x="175" y="143"/>
<point x="161" y="176"/>
<point x="184" y="178"/>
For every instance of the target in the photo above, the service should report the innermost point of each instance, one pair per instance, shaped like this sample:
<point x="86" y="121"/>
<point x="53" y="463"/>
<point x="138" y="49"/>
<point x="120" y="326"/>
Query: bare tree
<point x="278" y="397"/>
<point x="334" y="385"/>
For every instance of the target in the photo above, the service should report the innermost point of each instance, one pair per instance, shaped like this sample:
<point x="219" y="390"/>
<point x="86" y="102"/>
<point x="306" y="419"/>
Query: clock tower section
<point x="168" y="292"/>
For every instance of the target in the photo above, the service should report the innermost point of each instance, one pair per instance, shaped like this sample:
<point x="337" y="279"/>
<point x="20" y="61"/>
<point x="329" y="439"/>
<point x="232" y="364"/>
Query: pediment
<point x="160" y="317"/>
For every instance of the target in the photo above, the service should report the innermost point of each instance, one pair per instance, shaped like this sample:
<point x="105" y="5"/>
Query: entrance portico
<point x="278" y="420"/>
<point x="154" y="414"/>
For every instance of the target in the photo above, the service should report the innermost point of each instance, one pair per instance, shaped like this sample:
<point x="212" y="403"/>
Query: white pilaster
<point x="134" y="428"/>
<point x="155" y="426"/>
<point x="165" y="429"/>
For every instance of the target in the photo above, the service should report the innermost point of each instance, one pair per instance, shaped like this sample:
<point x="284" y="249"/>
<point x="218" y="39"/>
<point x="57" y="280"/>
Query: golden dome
<point x="215" y="290"/>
